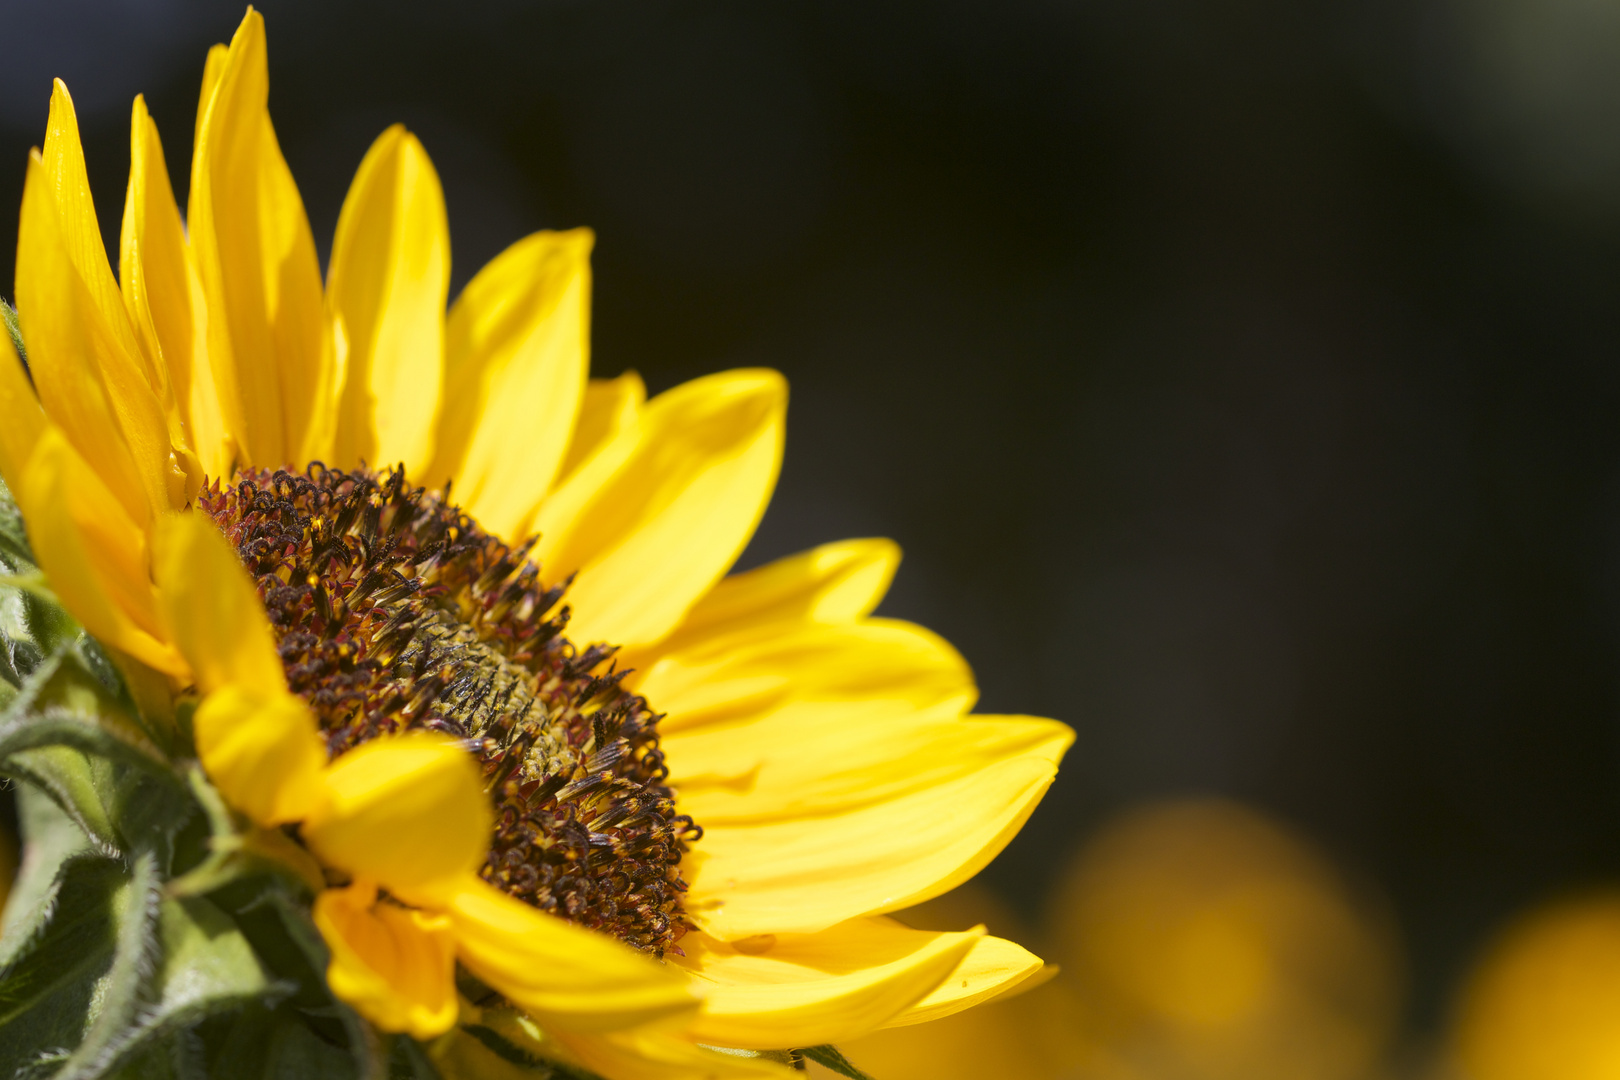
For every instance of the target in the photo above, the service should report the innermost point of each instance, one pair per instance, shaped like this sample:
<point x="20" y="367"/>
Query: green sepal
<point x="829" y="1057"/>
<point x="509" y="1051"/>
<point x="32" y="624"/>
<point x="8" y="315"/>
<point x="14" y="546"/>
<point x="237" y="849"/>
<point x="791" y="1058"/>
<point x="408" y="1061"/>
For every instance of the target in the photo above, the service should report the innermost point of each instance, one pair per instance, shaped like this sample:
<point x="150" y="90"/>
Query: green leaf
<point x="67" y="934"/>
<point x="828" y="1057"/>
<point x="68" y="778"/>
<point x="100" y="737"/>
<point x="65" y="732"/>
<point x="119" y="993"/>
<point x="51" y="838"/>
<point x="207" y="968"/>
<point x="54" y="966"/>
<point x="272" y="1044"/>
<point x="177" y="1057"/>
<point x="297" y="1053"/>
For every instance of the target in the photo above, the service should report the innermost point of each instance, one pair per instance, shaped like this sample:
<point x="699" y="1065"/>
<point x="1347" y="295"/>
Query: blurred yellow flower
<point x="1197" y="941"/>
<point x="390" y="675"/>
<point x="1205" y="942"/>
<point x="1544" y="1001"/>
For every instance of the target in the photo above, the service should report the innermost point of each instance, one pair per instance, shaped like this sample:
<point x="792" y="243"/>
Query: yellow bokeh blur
<point x="1198" y="940"/>
<point x="1544" y="1001"/>
<point x="1207" y="942"/>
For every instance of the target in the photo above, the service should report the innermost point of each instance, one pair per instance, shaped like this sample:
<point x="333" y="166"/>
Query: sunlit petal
<point x="834" y="583"/>
<point x="262" y="751"/>
<point x="256" y="260"/>
<point x="672" y="519"/>
<point x="389" y="278"/>
<point x="517" y="355"/>
<point x="994" y="968"/>
<point x="568" y="977"/>
<point x="156" y="279"/>
<point x="810" y="989"/>
<point x="406" y="812"/>
<point x="874" y="661"/>
<point x="93" y="554"/>
<point x="211" y="609"/>
<point x="640" y="1055"/>
<point x="803" y="875"/>
<point x="396" y="966"/>
<point x="25" y="420"/>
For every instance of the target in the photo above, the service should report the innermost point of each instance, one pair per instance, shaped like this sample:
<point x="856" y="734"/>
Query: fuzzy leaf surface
<point x="120" y="993"/>
<point x="67" y="934"/>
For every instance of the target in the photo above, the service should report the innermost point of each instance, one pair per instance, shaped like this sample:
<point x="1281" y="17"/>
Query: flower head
<point x="453" y="618"/>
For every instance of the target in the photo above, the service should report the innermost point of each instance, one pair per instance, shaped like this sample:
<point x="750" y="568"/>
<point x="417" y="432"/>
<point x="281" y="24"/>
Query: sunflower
<point x="550" y="776"/>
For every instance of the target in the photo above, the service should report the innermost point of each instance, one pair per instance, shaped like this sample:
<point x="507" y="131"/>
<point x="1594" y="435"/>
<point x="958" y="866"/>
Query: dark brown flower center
<point x="394" y="611"/>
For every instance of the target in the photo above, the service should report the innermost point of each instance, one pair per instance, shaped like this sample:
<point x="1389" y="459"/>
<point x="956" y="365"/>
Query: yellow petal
<point x="606" y="433"/>
<point x="516" y="358"/>
<point x="396" y="966"/>
<point x="91" y="378"/>
<point x="213" y="435"/>
<point x="135" y="388"/>
<point x="211" y="608"/>
<point x="994" y="968"/>
<point x="256" y="260"/>
<point x="213" y="68"/>
<point x="878" y="660"/>
<point x="389" y="278"/>
<point x="25" y="420"/>
<point x="568" y="977"/>
<point x="640" y="1055"/>
<point x="808" y="760"/>
<point x="406" y="812"/>
<point x="806" y="874"/>
<point x="674" y="517"/>
<point x="155" y="277"/>
<point x="94" y="557"/>
<point x="608" y="415"/>
<point x="834" y="583"/>
<point x="811" y="989"/>
<point x="262" y="751"/>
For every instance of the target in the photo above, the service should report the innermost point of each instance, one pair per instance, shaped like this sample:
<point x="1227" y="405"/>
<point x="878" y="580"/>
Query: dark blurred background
<point x="1239" y="376"/>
